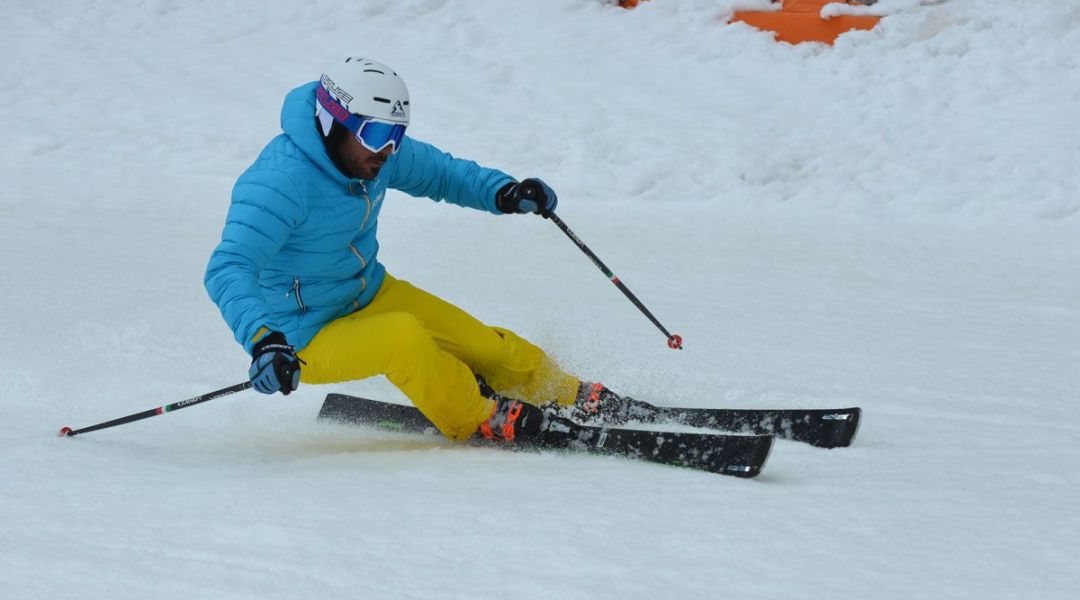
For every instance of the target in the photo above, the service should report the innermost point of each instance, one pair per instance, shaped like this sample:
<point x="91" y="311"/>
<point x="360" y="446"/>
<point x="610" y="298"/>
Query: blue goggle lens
<point x="375" y="135"/>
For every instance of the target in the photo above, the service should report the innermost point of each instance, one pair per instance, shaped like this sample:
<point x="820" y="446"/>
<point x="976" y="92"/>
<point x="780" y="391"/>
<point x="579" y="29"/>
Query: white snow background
<point x="891" y="223"/>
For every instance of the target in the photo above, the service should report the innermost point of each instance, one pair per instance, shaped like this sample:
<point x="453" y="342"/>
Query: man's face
<point x="361" y="162"/>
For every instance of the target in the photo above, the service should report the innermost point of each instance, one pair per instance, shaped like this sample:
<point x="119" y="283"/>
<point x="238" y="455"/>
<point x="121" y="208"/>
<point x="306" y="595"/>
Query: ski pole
<point x="674" y="341"/>
<point x="146" y="414"/>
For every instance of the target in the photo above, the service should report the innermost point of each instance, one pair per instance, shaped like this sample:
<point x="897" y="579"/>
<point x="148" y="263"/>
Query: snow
<point x="891" y="222"/>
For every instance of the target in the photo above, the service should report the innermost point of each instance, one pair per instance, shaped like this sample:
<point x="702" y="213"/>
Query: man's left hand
<point x="529" y="196"/>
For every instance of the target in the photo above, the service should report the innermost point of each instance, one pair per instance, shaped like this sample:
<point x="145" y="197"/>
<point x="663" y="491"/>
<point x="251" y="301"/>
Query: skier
<point x="297" y="278"/>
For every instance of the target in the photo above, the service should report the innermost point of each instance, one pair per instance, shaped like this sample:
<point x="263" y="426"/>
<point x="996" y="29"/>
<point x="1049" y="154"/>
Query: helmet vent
<point x="374" y="71"/>
<point x="378" y="99"/>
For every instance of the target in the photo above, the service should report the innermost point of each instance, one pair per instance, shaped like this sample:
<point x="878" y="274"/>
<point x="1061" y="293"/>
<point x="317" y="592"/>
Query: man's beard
<point x="369" y="169"/>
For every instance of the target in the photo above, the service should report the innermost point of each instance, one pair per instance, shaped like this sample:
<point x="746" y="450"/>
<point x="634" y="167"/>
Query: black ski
<point x="824" y="428"/>
<point x="737" y="455"/>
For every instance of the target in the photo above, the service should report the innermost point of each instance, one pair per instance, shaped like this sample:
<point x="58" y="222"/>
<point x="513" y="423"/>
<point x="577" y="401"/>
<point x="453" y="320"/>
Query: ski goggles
<point x="373" y="134"/>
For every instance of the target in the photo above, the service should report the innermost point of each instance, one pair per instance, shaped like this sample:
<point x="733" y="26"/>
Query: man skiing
<point x="297" y="279"/>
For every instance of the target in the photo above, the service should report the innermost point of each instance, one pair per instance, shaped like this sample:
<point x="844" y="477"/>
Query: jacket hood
<point x="298" y="123"/>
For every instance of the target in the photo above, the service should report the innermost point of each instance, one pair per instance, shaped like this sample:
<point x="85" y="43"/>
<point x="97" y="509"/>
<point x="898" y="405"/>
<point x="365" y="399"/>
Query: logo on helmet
<point x="398" y="110"/>
<point x="341" y="95"/>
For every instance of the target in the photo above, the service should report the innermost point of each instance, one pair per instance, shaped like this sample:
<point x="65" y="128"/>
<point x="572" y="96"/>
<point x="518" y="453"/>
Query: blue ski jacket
<point x="299" y="246"/>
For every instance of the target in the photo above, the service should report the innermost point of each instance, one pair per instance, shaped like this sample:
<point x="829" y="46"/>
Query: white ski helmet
<point x="364" y="87"/>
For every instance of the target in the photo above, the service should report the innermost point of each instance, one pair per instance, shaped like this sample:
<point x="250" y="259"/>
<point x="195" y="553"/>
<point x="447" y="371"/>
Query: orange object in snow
<point x="800" y="21"/>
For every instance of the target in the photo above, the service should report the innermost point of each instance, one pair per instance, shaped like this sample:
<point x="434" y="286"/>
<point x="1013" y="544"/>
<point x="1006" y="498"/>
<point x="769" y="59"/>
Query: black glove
<point x="529" y="196"/>
<point x="274" y="365"/>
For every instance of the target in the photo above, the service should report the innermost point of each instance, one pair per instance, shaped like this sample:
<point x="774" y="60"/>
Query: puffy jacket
<point x="298" y="249"/>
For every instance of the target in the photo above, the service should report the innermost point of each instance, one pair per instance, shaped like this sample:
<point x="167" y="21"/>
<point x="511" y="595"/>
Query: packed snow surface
<point x="891" y="222"/>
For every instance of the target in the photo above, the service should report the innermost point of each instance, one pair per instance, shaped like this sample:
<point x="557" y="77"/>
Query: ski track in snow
<point x="890" y="223"/>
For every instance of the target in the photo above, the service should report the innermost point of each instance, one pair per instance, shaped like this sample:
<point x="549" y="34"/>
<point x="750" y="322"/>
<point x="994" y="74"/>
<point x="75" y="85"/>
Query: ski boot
<point x="485" y="390"/>
<point x="597" y="405"/>
<point x="513" y="421"/>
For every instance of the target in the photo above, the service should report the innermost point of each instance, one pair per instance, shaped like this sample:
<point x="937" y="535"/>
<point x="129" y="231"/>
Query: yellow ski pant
<point x="430" y="349"/>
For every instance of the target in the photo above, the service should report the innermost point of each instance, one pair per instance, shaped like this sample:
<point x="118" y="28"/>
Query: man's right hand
<point x="274" y="365"/>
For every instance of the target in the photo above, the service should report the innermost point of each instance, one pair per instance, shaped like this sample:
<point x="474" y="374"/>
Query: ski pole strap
<point x="673" y="341"/>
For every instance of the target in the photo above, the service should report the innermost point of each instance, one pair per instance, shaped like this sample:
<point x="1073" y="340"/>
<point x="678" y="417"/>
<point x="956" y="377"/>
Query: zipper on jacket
<point x="296" y="292"/>
<point x="367" y="214"/>
<point x="367" y="199"/>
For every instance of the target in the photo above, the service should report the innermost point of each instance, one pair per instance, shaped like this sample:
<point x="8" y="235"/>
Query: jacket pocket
<point x="297" y="296"/>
